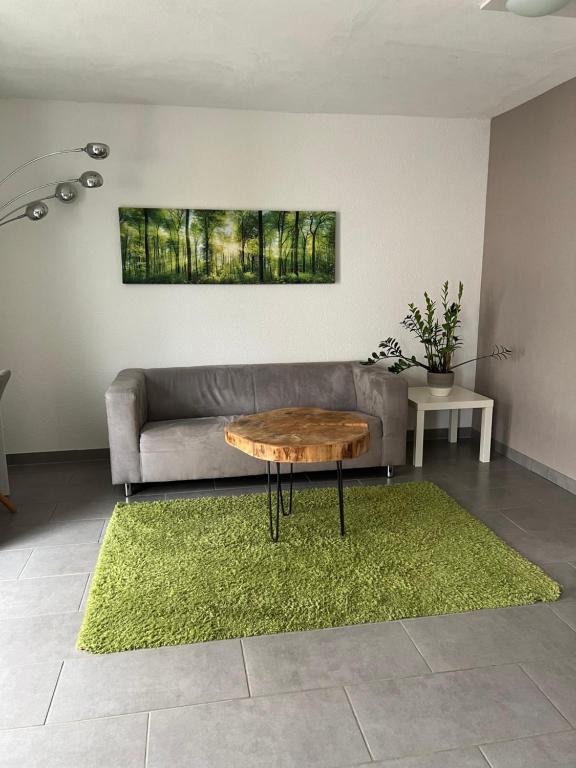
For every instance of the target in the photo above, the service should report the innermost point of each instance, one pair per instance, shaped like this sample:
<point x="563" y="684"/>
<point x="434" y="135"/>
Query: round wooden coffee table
<point x="296" y="436"/>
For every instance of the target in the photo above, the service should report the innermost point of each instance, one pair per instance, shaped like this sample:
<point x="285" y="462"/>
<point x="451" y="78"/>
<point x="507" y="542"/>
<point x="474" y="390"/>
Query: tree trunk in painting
<point x="206" y="244"/>
<point x="242" y="244"/>
<point x="296" y="237"/>
<point x="125" y="243"/>
<point x="260" y="247"/>
<point x="314" y="227"/>
<point x="314" y="252"/>
<point x="156" y="260"/>
<point x="188" y="248"/>
<point x="281" y="217"/>
<point x="146" y="244"/>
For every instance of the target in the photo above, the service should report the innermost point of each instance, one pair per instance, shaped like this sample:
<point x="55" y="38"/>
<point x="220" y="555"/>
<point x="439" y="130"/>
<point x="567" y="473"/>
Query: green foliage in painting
<point x="187" y="245"/>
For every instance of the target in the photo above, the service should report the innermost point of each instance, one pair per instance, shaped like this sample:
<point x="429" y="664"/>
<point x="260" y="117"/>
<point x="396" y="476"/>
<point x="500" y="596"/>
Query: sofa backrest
<point x="232" y="390"/>
<point x="187" y="393"/>
<point x="305" y="385"/>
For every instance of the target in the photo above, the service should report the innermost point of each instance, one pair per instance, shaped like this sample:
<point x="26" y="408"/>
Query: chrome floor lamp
<point x="64" y="190"/>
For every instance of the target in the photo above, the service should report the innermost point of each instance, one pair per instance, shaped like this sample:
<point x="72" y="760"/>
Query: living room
<point x="230" y="535"/>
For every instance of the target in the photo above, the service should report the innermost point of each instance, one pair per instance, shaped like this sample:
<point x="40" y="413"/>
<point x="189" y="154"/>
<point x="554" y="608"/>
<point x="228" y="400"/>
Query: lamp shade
<point x="36" y="210"/>
<point x="535" y="7"/>
<point x="91" y="179"/>
<point x="65" y="192"/>
<point x="97" y="150"/>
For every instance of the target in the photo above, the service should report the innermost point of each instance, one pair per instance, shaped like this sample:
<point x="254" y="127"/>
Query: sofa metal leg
<point x="127" y="489"/>
<point x="390" y="470"/>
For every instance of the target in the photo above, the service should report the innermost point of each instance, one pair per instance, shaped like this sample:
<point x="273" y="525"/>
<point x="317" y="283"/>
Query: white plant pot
<point x="440" y="384"/>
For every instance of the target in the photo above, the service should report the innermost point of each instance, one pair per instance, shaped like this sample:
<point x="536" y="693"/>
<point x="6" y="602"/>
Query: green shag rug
<point x="186" y="571"/>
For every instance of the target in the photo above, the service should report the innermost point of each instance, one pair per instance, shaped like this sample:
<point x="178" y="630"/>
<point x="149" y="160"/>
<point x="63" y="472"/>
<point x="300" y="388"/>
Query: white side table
<point x="421" y="400"/>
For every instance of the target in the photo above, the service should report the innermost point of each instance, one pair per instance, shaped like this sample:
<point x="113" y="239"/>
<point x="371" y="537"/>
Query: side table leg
<point x="486" y="434"/>
<point x="340" y="497"/>
<point x="419" y="438"/>
<point x="453" y="431"/>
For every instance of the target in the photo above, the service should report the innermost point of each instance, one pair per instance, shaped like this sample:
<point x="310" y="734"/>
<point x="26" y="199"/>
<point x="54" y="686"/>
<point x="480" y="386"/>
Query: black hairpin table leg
<point x="282" y="494"/>
<point x="340" y="497"/>
<point x="274" y="520"/>
<point x="274" y="516"/>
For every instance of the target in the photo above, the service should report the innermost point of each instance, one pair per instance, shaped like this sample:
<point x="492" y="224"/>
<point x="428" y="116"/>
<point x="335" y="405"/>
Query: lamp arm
<point x="15" y="218"/>
<point x="40" y="157"/>
<point x="24" y="205"/>
<point x="35" y="189"/>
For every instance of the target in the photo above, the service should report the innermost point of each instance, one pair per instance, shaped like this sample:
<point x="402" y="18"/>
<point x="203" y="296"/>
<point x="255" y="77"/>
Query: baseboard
<point x="57" y="457"/>
<point x="565" y="482"/>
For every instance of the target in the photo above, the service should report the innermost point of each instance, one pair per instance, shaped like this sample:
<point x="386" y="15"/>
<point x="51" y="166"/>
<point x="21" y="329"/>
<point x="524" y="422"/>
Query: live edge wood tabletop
<point x="300" y="435"/>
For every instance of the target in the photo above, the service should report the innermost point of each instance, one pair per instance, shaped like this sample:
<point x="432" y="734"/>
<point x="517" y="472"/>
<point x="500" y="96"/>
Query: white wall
<point x="410" y="193"/>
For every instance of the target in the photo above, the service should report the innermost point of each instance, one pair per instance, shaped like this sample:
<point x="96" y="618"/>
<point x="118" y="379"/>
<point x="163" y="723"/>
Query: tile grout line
<point x="25" y="564"/>
<point x="49" y="576"/>
<point x="535" y="684"/>
<point x="245" y="668"/>
<point x="84" y="591"/>
<point x="170" y="708"/>
<point x="73" y="543"/>
<point x="355" y="716"/>
<point x="53" y="692"/>
<point x="504" y="515"/>
<point x="147" y="741"/>
<point x="528" y="737"/>
<point x="56" y="504"/>
<point x="424" y="659"/>
<point x="32" y="616"/>
<point x="15" y="549"/>
<point x="484" y="756"/>
<point x="558" y="616"/>
<point x="59" y="723"/>
<point x="49" y="546"/>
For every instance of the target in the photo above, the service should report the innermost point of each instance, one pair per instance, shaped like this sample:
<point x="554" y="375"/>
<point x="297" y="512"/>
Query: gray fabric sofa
<point x="167" y="424"/>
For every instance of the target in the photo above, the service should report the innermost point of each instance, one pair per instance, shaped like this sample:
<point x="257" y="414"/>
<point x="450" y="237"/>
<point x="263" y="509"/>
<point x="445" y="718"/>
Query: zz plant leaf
<point x="436" y="329"/>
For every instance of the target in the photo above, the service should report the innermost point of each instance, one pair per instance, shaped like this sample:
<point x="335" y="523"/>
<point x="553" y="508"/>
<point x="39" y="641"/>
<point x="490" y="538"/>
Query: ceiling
<point x="411" y="57"/>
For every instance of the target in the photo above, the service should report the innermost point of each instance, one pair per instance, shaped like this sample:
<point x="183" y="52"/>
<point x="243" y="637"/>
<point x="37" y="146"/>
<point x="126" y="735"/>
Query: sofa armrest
<point x="385" y="394"/>
<point x="127" y="411"/>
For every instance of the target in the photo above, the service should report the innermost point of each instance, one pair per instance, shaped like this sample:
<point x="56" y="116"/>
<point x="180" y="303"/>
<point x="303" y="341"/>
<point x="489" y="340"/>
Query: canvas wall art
<point x="190" y="245"/>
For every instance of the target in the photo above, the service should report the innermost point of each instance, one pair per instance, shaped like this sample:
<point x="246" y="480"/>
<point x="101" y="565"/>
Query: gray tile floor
<point x="489" y="688"/>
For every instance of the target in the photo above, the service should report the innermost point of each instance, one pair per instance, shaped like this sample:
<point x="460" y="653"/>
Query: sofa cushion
<point x="305" y="385"/>
<point x="184" y="393"/>
<point x="190" y="449"/>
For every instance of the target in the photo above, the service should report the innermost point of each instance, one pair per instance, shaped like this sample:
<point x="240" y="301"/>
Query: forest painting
<point x="191" y="245"/>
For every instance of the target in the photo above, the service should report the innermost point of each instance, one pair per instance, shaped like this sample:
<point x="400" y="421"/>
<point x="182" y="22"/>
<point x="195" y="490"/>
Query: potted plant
<point x="440" y="340"/>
